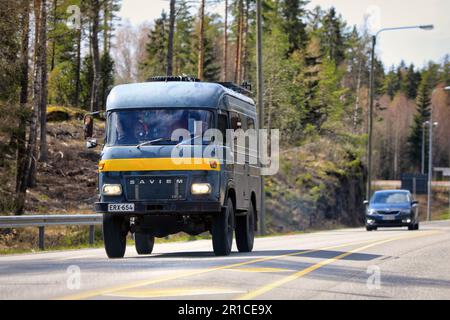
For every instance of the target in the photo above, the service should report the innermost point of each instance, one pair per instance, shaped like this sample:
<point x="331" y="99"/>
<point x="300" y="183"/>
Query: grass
<point x="10" y="251"/>
<point x="130" y="242"/>
<point x="445" y="215"/>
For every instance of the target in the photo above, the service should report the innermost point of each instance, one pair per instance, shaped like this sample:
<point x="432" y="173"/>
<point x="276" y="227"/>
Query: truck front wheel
<point x="223" y="230"/>
<point x="144" y="243"/>
<point x="115" y="236"/>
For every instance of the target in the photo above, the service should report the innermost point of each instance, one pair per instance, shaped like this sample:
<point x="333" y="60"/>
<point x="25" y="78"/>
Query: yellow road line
<point x="260" y="270"/>
<point x="171" y="292"/>
<point x="105" y="291"/>
<point x="304" y="272"/>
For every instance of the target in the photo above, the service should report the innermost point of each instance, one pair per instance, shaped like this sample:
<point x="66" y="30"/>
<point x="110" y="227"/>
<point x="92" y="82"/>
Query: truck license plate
<point x="121" y="207"/>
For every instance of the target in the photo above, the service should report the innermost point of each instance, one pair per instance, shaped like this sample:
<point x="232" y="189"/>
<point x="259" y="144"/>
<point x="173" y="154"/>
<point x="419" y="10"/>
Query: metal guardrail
<point x="42" y="222"/>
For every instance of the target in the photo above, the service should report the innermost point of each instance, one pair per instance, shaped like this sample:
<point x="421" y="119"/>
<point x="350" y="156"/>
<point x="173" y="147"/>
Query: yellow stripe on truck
<point x="159" y="164"/>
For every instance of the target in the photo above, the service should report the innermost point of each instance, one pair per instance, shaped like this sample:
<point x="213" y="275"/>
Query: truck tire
<point x="245" y="231"/>
<point x="114" y="236"/>
<point x="144" y="243"/>
<point x="223" y="230"/>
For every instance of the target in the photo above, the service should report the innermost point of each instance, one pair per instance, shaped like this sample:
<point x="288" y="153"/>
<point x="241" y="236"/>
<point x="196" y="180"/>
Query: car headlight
<point x="201" y="188"/>
<point x="112" y="190"/>
<point x="405" y="211"/>
<point x="371" y="212"/>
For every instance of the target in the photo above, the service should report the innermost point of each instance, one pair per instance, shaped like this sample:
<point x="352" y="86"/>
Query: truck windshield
<point x="134" y="127"/>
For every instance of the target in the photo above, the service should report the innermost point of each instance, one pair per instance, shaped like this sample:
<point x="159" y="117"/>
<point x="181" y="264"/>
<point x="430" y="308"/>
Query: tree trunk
<point x="106" y="29"/>
<point x="95" y="93"/>
<point x="171" y="38"/>
<point x="201" y="53"/>
<point x="44" y="79"/>
<point x="245" y="42"/>
<point x="31" y="154"/>
<point x="32" y="148"/>
<point x="55" y="21"/>
<point x="21" y="137"/>
<point x="225" y="45"/>
<point x="238" y="60"/>
<point x="78" y="70"/>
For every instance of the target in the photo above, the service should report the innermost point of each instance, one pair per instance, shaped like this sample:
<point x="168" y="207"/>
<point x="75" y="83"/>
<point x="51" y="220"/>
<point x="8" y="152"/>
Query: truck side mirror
<point x="92" y="144"/>
<point x="88" y="127"/>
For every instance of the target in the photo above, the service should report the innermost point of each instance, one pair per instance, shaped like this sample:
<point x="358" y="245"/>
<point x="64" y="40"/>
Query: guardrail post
<point x="42" y="238"/>
<point x="91" y="235"/>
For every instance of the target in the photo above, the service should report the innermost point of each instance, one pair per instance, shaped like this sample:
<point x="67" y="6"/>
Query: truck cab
<point x="145" y="191"/>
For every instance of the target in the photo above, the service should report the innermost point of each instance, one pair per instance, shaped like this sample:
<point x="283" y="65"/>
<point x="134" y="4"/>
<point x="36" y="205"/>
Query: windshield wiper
<point x="148" y="143"/>
<point x="187" y="141"/>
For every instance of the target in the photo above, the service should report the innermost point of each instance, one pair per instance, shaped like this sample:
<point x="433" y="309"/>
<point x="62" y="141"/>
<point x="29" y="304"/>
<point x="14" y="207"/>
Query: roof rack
<point x="245" y="88"/>
<point x="182" y="78"/>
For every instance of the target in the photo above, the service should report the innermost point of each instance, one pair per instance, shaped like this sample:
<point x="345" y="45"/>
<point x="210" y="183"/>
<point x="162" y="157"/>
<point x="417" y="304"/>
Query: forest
<point x="70" y="53"/>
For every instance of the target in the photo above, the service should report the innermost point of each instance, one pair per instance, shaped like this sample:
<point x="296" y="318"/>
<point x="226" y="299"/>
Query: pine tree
<point x="155" y="63"/>
<point x="422" y="115"/>
<point x="412" y="82"/>
<point x="332" y="37"/>
<point x="211" y="67"/>
<point x="184" y="62"/>
<point x="392" y="83"/>
<point x="294" y="13"/>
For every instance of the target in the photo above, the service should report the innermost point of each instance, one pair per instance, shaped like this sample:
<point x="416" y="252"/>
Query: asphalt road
<point x="343" y="264"/>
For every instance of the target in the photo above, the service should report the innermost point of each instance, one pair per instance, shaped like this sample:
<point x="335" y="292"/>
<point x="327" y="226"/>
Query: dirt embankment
<point x="319" y="186"/>
<point x="67" y="182"/>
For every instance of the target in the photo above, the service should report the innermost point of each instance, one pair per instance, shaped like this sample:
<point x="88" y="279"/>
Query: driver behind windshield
<point x="127" y="128"/>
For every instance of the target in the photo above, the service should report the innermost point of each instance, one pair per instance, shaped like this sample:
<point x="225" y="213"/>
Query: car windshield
<point x="155" y="126"/>
<point x="390" y="198"/>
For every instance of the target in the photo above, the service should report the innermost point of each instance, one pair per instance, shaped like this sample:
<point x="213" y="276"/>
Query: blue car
<point x="392" y="209"/>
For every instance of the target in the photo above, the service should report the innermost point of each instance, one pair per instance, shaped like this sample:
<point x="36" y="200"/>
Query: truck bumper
<point x="149" y="208"/>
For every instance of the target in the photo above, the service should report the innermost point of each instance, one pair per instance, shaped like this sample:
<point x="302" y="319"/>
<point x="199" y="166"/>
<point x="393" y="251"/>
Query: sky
<point x="412" y="46"/>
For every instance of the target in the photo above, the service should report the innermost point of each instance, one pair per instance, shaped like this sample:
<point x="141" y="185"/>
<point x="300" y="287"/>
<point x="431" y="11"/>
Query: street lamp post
<point x="260" y="84"/>
<point x="430" y="165"/>
<point x="423" y="148"/>
<point x="372" y="98"/>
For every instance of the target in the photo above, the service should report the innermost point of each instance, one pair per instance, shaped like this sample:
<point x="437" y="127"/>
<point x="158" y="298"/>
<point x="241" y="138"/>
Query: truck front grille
<point x="148" y="188"/>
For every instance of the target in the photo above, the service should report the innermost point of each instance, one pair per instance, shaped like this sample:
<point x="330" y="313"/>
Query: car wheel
<point x="412" y="227"/>
<point x="223" y="230"/>
<point x="369" y="229"/>
<point x="144" y="243"/>
<point x="245" y="231"/>
<point x="115" y="236"/>
<point x="417" y="227"/>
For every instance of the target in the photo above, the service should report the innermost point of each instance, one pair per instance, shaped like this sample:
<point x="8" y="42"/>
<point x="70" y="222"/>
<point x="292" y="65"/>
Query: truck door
<point x="240" y="167"/>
